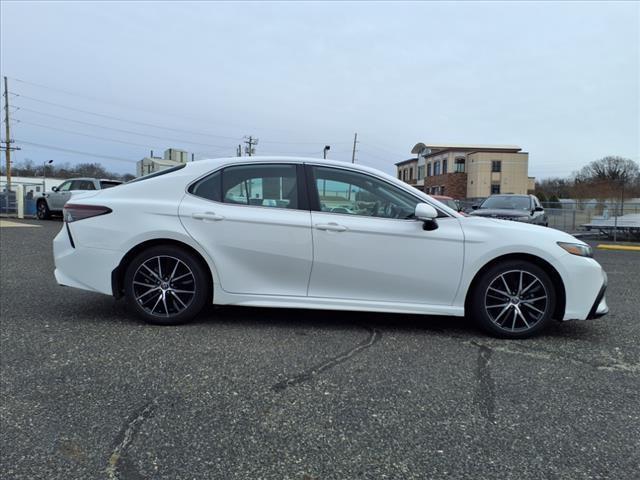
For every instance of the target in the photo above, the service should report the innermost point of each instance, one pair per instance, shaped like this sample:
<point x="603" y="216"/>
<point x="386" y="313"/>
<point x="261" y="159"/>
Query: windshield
<point x="507" y="202"/>
<point x="157" y="174"/>
<point x="108" y="184"/>
<point x="450" y="203"/>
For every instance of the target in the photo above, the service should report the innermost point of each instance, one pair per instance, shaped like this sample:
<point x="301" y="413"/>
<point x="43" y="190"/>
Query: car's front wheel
<point x="42" y="210"/>
<point x="513" y="299"/>
<point x="166" y="285"/>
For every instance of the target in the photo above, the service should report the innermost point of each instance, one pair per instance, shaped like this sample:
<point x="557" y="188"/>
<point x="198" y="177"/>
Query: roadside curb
<point x="628" y="248"/>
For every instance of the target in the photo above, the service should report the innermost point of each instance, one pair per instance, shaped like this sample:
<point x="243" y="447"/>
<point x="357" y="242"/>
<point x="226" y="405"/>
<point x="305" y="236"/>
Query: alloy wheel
<point x="164" y="286"/>
<point x="516" y="300"/>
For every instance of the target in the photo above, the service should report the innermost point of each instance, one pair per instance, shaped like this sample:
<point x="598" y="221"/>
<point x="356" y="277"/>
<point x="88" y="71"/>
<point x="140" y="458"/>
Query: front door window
<point x="354" y="193"/>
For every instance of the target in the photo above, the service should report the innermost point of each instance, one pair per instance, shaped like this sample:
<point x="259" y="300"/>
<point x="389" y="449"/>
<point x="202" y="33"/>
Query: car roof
<point x="208" y="164"/>
<point x="92" y="179"/>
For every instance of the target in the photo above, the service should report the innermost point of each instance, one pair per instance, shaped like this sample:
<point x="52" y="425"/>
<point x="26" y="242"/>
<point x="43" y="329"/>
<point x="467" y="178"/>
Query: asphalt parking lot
<point x="88" y="391"/>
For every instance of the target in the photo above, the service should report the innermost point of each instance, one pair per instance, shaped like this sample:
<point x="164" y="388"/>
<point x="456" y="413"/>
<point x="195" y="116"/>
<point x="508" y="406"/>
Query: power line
<point x="88" y="135"/>
<point x="124" y="119"/>
<point x="128" y="132"/>
<point x="78" y="152"/>
<point x="129" y="107"/>
<point x="156" y="112"/>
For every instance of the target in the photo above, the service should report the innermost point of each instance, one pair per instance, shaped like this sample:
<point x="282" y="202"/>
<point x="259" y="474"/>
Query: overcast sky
<point x="559" y="79"/>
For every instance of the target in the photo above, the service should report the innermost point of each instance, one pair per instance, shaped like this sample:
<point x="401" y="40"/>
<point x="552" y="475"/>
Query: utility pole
<point x="250" y="141"/>
<point x="239" y="151"/>
<point x="353" y="154"/>
<point x="7" y="133"/>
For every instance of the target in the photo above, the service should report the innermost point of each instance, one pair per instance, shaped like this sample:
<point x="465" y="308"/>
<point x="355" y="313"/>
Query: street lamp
<point x="325" y="150"/>
<point x="44" y="174"/>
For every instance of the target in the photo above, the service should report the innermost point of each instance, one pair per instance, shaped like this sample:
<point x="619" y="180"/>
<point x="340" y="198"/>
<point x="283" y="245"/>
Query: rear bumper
<point x="83" y="267"/>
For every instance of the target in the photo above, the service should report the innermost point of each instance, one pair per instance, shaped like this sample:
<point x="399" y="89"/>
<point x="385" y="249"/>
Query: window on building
<point x="261" y="185"/>
<point x="442" y="190"/>
<point x="495" y="188"/>
<point x="436" y="168"/>
<point x="444" y="166"/>
<point x="399" y="174"/>
<point x="460" y="165"/>
<point x="420" y="172"/>
<point x="428" y="170"/>
<point x="496" y="166"/>
<point x="410" y="173"/>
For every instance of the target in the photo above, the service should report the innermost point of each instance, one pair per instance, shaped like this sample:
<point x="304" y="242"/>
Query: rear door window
<point x="265" y="185"/>
<point x="108" y="184"/>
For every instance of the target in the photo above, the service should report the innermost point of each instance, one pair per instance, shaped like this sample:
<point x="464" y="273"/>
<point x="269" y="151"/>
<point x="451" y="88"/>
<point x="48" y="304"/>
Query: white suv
<point x="53" y="200"/>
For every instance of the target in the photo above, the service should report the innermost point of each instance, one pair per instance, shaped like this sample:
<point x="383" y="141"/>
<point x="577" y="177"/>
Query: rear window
<point x="157" y="174"/>
<point x="108" y="184"/>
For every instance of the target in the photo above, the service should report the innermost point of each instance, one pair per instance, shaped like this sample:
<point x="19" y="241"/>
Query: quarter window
<point x="353" y="193"/>
<point x="209" y="187"/>
<point x="261" y="185"/>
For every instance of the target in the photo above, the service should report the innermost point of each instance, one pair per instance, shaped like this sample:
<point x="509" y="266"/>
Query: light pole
<point x="44" y="175"/>
<point x="325" y="150"/>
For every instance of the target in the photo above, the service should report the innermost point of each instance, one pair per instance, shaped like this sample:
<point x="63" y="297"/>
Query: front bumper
<point x="600" y="307"/>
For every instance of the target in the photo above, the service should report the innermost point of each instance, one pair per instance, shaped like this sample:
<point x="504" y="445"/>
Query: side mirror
<point x="427" y="214"/>
<point x="55" y="189"/>
<point x="538" y="209"/>
<point x="475" y="206"/>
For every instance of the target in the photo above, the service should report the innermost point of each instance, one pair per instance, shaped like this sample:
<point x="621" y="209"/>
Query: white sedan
<point x="253" y="231"/>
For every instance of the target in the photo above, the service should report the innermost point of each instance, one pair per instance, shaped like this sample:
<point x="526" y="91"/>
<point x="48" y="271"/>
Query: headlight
<point x="577" y="249"/>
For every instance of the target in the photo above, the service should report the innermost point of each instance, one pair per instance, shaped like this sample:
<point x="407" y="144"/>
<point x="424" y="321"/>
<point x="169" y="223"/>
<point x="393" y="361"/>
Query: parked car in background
<point x="53" y="201"/>
<point x="520" y="208"/>
<point x="448" y="201"/>
<point x="252" y="231"/>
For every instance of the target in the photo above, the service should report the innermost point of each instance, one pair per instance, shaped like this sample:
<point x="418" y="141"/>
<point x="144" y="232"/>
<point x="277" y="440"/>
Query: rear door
<point x="367" y="246"/>
<point x="254" y="221"/>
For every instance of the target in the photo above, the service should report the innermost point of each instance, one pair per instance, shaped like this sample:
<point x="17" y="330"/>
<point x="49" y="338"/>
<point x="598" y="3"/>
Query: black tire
<point x="523" y="312"/>
<point x="42" y="210"/>
<point x="171" y="305"/>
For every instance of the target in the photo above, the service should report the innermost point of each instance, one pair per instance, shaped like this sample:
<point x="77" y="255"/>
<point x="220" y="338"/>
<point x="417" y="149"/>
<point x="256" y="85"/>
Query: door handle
<point x="331" y="227"/>
<point x="208" y="216"/>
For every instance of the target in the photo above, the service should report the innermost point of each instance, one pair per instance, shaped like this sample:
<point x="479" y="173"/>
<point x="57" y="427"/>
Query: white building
<point x="172" y="157"/>
<point x="35" y="185"/>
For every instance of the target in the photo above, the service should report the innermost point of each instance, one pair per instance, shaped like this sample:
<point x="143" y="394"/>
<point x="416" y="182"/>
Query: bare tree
<point x="607" y="178"/>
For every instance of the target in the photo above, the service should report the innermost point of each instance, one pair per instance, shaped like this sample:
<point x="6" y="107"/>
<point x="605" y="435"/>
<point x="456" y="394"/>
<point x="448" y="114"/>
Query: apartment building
<point x="467" y="171"/>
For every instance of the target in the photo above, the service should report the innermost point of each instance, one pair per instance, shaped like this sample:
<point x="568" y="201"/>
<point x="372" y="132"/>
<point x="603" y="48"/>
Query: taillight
<point x="73" y="212"/>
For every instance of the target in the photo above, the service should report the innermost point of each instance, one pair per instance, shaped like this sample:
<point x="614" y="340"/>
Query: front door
<point x="367" y="246"/>
<point x="58" y="198"/>
<point x="254" y="222"/>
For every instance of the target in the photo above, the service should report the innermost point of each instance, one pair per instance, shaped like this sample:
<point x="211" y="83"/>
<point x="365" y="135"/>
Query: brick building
<point x="467" y="171"/>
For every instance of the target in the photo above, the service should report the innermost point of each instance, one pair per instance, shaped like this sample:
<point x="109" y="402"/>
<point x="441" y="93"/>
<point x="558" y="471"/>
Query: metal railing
<point x="13" y="206"/>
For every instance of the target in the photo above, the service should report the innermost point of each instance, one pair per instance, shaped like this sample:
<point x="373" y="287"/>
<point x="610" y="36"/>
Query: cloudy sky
<point x="105" y="79"/>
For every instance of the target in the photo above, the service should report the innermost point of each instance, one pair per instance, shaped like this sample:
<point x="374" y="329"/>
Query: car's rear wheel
<point x="166" y="285"/>
<point x="42" y="210"/>
<point x="513" y="299"/>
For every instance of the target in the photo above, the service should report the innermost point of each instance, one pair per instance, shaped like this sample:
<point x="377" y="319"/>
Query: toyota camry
<point x="318" y="234"/>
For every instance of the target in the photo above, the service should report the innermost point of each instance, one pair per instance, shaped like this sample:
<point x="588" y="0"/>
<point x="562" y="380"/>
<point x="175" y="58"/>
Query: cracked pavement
<point x="88" y="391"/>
